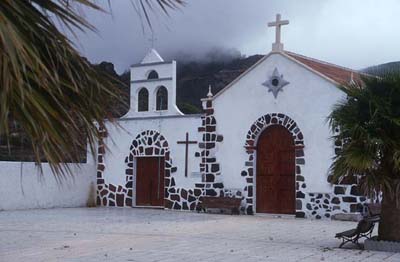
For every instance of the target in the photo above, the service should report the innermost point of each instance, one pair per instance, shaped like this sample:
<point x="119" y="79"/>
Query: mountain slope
<point x="381" y="70"/>
<point x="194" y="78"/>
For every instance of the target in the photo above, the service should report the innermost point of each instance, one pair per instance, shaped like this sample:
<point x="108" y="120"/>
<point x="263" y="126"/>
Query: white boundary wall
<point x="22" y="186"/>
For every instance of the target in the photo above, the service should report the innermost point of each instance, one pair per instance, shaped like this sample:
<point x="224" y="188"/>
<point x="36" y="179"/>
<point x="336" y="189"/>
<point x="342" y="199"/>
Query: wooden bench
<point x="365" y="227"/>
<point x="230" y="203"/>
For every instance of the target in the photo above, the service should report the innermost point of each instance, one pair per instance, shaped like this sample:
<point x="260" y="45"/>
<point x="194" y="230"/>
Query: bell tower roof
<point x="152" y="57"/>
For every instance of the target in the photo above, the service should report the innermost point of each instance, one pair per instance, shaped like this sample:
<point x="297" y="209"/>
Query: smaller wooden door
<point x="275" y="181"/>
<point x="150" y="181"/>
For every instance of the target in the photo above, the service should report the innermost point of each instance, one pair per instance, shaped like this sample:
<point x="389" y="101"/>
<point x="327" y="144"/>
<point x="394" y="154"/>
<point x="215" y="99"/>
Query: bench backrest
<point x="221" y="202"/>
<point x="364" y="226"/>
<point x="374" y="209"/>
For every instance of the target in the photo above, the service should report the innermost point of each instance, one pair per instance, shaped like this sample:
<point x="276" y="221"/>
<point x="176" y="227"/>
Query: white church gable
<point x="308" y="99"/>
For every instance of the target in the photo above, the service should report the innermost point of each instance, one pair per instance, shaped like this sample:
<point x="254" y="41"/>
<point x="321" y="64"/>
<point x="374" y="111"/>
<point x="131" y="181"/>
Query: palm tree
<point x="54" y="94"/>
<point x="368" y="124"/>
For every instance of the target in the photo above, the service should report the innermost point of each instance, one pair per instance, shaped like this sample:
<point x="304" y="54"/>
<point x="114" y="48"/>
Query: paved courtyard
<point x="101" y="234"/>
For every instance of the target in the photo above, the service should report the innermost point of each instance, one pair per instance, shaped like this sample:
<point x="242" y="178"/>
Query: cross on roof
<point x="278" y="46"/>
<point x="152" y="40"/>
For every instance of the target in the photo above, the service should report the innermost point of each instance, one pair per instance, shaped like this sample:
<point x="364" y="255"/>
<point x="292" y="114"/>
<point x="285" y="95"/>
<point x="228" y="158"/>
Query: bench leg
<point x="235" y="211"/>
<point x="343" y="242"/>
<point x="352" y="240"/>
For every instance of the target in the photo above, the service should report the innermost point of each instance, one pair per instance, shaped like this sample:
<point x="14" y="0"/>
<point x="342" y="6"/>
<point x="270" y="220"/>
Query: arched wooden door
<point x="275" y="181"/>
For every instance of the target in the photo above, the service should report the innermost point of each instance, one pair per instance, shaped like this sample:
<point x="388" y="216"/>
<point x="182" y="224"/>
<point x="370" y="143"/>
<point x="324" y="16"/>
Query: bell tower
<point x="153" y="87"/>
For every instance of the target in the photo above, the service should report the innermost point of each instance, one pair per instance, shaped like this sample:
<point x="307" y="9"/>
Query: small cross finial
<point x="152" y="40"/>
<point x="278" y="46"/>
<point x="209" y="95"/>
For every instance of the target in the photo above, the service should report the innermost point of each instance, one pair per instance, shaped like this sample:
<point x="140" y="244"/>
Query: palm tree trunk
<point x="389" y="225"/>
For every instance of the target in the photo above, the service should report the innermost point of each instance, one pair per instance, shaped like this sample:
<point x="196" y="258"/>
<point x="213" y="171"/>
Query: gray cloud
<point x="352" y="33"/>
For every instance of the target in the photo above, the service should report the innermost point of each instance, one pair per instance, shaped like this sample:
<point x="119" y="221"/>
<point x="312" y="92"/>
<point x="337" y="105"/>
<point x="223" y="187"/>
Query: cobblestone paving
<point x="113" y="234"/>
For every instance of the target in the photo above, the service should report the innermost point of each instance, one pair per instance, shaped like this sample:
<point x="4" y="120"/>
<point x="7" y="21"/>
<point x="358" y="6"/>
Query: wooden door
<point x="275" y="181"/>
<point x="150" y="181"/>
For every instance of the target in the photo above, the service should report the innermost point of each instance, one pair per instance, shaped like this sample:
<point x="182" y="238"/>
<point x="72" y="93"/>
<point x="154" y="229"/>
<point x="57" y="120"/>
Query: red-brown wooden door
<point x="275" y="181"/>
<point x="150" y="181"/>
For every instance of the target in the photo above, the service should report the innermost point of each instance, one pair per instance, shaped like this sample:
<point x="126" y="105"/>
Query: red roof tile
<point x="340" y="75"/>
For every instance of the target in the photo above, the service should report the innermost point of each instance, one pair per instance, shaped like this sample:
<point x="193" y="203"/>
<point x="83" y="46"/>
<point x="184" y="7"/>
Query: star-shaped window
<point x="275" y="83"/>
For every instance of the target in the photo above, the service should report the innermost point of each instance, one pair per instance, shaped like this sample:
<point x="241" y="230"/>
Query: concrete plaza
<point x="128" y="234"/>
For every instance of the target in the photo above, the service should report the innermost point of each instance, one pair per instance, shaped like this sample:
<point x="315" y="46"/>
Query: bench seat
<point x="230" y="203"/>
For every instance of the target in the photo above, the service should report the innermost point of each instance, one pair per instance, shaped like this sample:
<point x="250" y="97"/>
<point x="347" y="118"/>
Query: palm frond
<point x="368" y="123"/>
<point x="56" y="96"/>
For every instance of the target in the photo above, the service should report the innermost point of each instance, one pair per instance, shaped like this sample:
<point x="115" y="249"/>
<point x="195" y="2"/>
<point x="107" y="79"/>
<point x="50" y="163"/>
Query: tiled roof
<point x="341" y="75"/>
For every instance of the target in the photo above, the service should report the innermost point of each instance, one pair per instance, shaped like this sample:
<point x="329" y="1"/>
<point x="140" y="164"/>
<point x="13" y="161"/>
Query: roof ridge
<point x="323" y="62"/>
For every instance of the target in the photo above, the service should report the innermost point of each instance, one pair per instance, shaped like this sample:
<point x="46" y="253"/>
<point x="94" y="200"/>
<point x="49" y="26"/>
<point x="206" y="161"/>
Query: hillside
<point x="381" y="70"/>
<point x="194" y="78"/>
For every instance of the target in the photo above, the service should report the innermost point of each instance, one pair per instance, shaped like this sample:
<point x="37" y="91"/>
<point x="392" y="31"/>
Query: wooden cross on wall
<point x="187" y="143"/>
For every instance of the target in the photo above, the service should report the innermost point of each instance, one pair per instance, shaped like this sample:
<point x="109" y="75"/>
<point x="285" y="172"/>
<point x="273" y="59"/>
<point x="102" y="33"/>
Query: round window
<point x="275" y="82"/>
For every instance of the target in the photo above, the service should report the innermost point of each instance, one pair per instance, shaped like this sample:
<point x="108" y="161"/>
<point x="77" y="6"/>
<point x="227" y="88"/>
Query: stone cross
<point x="187" y="143"/>
<point x="278" y="46"/>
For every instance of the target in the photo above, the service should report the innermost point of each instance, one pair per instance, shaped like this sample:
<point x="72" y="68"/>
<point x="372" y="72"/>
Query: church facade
<point x="264" y="138"/>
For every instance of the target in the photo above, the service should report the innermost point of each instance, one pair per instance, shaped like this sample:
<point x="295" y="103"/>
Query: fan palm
<point x="368" y="124"/>
<point x="55" y="95"/>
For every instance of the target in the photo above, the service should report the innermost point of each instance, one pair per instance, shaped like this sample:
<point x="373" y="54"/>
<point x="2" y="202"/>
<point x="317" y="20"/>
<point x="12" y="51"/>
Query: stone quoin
<point x="278" y="106"/>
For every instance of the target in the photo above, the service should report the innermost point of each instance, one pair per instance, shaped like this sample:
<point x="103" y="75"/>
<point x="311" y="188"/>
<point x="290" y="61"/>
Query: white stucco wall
<point x="308" y="100"/>
<point x="22" y="186"/>
<point x="173" y="128"/>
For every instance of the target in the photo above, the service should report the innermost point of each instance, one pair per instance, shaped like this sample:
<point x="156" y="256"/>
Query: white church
<point x="264" y="138"/>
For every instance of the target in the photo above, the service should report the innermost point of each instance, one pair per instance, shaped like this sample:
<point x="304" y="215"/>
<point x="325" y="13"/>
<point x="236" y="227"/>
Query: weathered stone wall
<point x="342" y="199"/>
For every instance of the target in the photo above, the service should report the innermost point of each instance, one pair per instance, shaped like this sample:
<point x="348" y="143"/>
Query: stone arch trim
<point x="153" y="143"/>
<point x="146" y="143"/>
<point x="250" y="145"/>
<point x="149" y="143"/>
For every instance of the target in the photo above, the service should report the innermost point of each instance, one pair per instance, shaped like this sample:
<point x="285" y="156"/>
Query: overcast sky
<point x="351" y="33"/>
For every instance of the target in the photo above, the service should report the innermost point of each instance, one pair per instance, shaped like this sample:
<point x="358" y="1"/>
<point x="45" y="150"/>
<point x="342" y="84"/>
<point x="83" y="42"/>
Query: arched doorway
<point x="275" y="175"/>
<point x="149" y="168"/>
